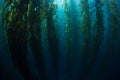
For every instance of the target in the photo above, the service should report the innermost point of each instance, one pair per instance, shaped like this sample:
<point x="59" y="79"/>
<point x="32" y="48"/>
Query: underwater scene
<point x="59" y="39"/>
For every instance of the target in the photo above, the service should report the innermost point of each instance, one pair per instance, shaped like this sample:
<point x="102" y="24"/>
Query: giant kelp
<point x="14" y="22"/>
<point x="88" y="28"/>
<point x="99" y="34"/>
<point x="113" y="36"/>
<point x="114" y="25"/>
<point x="86" y="34"/>
<point x="52" y="36"/>
<point x="114" y="17"/>
<point x="35" y="17"/>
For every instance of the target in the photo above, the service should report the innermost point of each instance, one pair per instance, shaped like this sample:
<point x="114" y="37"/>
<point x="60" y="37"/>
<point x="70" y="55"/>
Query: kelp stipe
<point x="114" y="17"/>
<point x="86" y="35"/>
<point x="35" y="18"/>
<point x="61" y="39"/>
<point x="114" y="22"/>
<point x="15" y="24"/>
<point x="52" y="36"/>
<point x="99" y="34"/>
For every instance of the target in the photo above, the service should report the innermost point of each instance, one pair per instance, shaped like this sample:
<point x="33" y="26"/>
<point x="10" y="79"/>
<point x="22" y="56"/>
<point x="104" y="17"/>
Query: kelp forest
<point x="59" y="39"/>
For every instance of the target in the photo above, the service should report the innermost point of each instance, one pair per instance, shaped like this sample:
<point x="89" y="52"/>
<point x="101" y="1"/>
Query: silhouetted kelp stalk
<point x="86" y="34"/>
<point x="99" y="27"/>
<point x="6" y="13"/>
<point x="114" y="27"/>
<point x="114" y="18"/>
<point x="14" y="22"/>
<point x="52" y="36"/>
<point x="3" y="9"/>
<point x="98" y="34"/>
<point x="36" y="14"/>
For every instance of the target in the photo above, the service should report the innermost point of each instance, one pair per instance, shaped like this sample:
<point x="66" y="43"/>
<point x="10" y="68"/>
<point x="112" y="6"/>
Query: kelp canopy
<point x="60" y="39"/>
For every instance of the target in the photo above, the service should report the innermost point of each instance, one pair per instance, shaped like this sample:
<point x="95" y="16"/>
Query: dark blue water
<point x="59" y="40"/>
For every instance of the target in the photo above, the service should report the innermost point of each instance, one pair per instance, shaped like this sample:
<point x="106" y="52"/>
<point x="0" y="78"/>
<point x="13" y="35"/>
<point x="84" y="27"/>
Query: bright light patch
<point x="59" y="2"/>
